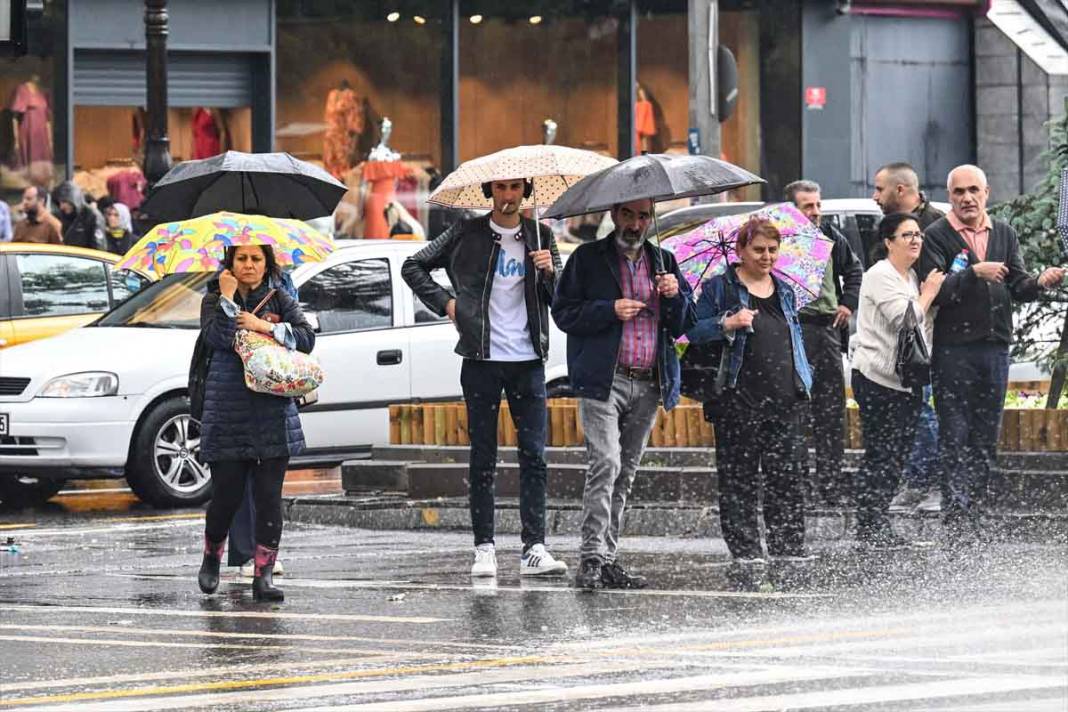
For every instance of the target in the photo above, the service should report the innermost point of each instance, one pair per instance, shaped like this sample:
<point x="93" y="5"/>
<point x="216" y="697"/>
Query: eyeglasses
<point x="918" y="236"/>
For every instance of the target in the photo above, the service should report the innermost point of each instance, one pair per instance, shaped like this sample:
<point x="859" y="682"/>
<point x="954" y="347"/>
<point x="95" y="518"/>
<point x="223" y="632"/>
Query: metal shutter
<point x="117" y="78"/>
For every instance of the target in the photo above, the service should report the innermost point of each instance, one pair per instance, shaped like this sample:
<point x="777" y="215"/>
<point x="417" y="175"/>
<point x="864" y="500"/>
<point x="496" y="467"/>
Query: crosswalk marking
<point x="176" y="613"/>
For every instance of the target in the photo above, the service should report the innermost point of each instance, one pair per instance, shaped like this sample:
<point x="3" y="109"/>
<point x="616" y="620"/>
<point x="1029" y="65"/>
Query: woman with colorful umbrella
<point x="749" y="315"/>
<point x="247" y="435"/>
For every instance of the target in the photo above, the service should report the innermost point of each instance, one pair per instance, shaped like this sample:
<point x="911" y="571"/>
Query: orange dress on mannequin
<point x="382" y="177"/>
<point x="644" y="123"/>
<point x="344" y="117"/>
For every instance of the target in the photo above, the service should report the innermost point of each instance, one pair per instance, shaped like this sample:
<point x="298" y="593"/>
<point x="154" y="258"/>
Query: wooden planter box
<point x="685" y="426"/>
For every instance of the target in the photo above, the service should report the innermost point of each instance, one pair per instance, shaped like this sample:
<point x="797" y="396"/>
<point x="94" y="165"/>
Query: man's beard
<point x="630" y="239"/>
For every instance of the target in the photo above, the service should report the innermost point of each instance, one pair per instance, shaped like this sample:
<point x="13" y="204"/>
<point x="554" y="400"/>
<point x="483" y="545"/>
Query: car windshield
<point x="171" y="303"/>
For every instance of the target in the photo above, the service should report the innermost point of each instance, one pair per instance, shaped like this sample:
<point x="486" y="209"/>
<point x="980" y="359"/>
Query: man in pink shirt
<point x="972" y="334"/>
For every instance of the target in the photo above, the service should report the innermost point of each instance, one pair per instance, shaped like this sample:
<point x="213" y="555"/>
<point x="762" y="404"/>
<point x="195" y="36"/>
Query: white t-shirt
<point x="509" y="328"/>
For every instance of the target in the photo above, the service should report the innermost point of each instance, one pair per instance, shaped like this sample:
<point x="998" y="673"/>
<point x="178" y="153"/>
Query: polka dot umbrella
<point x="553" y="169"/>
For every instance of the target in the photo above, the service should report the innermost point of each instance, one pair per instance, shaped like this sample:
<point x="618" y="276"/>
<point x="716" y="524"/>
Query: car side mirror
<point x="313" y="319"/>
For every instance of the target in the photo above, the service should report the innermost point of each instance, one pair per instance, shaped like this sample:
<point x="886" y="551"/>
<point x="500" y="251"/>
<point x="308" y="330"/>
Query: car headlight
<point x="90" y="384"/>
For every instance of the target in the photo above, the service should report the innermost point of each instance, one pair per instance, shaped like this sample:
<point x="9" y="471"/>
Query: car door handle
<point x="390" y="357"/>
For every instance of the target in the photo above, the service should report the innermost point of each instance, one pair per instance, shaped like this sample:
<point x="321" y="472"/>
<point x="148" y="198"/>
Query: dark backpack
<point x="198" y="376"/>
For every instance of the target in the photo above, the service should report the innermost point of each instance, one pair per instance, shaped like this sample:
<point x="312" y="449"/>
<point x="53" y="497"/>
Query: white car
<point x="109" y="399"/>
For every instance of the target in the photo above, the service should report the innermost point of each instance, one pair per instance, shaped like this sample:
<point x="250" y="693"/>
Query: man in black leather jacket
<point x="503" y="269"/>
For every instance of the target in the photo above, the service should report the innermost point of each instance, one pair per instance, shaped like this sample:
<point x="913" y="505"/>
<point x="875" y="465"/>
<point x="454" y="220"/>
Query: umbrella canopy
<point x="198" y="245"/>
<point x="706" y="250"/>
<point x="273" y="184"/>
<point x="659" y="176"/>
<point x="553" y="168"/>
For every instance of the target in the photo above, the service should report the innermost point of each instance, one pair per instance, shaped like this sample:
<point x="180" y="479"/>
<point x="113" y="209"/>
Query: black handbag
<point x="198" y="376"/>
<point x="703" y="371"/>
<point x="912" y="362"/>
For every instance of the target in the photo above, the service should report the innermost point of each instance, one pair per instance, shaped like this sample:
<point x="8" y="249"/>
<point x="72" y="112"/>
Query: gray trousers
<point x="616" y="432"/>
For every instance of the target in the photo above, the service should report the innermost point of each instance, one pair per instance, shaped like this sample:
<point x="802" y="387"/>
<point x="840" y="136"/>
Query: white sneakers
<point x="536" y="562"/>
<point x="539" y="562"/>
<point x="485" y="561"/>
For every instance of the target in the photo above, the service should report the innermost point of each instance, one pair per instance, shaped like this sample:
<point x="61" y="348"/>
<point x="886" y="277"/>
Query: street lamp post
<point x="157" y="145"/>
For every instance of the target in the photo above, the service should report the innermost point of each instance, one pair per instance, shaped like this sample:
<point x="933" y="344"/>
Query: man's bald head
<point x="968" y="193"/>
<point x="897" y="188"/>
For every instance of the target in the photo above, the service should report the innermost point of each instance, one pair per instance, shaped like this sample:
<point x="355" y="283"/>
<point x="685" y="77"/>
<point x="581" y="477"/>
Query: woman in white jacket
<point x="888" y="410"/>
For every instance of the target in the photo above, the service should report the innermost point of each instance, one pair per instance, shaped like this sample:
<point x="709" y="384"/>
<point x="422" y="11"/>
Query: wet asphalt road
<point x="99" y="610"/>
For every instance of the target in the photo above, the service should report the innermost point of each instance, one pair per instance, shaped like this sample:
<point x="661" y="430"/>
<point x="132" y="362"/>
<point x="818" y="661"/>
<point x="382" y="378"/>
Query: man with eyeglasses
<point x="972" y="333"/>
<point x="825" y="329"/>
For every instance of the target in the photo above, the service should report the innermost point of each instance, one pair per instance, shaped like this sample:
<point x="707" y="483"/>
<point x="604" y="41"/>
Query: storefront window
<point x="524" y="63"/>
<point x="28" y="88"/>
<point x="739" y="31"/>
<point x="359" y="92"/>
<point x="662" y="109"/>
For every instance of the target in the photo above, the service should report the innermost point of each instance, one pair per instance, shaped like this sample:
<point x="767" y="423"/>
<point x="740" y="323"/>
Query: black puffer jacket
<point x="84" y="227"/>
<point x="468" y="252"/>
<point x="239" y="424"/>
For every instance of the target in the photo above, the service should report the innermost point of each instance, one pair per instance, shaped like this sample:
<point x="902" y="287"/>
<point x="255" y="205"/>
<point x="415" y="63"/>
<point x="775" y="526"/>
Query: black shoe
<point x="208" y="578"/>
<point x="590" y="575"/>
<point x="615" y="576"/>
<point x="263" y="588"/>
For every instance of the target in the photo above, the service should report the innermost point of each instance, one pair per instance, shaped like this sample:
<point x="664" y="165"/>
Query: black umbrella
<point x="658" y="176"/>
<point x="273" y="184"/>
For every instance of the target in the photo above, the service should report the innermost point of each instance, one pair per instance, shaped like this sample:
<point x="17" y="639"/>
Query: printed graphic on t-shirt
<point x="509" y="267"/>
<point x="509" y="328"/>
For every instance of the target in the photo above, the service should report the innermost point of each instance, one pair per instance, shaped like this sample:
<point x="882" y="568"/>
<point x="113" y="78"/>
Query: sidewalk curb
<point x="647" y="519"/>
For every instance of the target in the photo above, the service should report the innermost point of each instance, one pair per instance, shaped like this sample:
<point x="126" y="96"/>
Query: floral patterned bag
<point x="274" y="369"/>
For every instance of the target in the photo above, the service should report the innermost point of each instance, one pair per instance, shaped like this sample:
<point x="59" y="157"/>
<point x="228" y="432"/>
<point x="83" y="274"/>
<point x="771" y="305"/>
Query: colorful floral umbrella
<point x="706" y="250"/>
<point x="198" y="245"/>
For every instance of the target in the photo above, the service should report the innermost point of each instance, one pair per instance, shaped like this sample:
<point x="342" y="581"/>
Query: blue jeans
<point x="523" y="384"/>
<point x="969" y="389"/>
<point x="922" y="470"/>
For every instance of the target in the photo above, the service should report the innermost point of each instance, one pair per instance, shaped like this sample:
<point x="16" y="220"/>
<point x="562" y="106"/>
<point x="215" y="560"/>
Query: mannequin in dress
<point x="548" y="132"/>
<point x="380" y="174"/>
<point x="644" y="122"/>
<point x="32" y="117"/>
<point x="344" y="122"/>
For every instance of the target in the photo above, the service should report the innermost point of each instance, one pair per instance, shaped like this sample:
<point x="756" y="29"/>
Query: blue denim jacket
<point x="724" y="295"/>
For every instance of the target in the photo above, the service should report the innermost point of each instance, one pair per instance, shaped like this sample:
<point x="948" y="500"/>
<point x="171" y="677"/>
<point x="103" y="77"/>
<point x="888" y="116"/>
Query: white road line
<point x="124" y="630"/>
<point x="564" y="587"/>
<point x="117" y="643"/>
<point x="117" y="528"/>
<point x="273" y="615"/>
<point x="425" y="683"/>
<point x="960" y="687"/>
<point x="558" y="694"/>
<point x="231" y="671"/>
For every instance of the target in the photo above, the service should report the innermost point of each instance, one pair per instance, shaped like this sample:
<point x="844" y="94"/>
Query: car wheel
<point x="560" y="388"/>
<point x="26" y="491"/>
<point x="165" y="469"/>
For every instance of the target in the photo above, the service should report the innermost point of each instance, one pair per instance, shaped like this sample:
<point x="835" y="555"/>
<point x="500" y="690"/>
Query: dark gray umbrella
<point x="273" y="184"/>
<point x="659" y="176"/>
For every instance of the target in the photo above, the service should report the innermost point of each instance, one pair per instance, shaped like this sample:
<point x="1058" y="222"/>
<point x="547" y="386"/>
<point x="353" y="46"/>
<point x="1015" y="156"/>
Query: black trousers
<point x="523" y="383"/>
<point x="229" y="478"/>
<point x="747" y="442"/>
<point x="823" y="346"/>
<point x="888" y="420"/>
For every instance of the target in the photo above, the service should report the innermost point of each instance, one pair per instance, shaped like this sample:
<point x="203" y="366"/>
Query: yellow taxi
<point x="47" y="289"/>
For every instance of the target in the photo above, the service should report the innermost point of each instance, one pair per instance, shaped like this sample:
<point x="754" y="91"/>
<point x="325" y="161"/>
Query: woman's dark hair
<point x="757" y="227"/>
<point x="887" y="227"/>
<point x="268" y="257"/>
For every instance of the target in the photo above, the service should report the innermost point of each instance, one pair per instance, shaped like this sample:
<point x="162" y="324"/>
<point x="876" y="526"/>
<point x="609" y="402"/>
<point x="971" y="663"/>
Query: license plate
<point x="3" y="423"/>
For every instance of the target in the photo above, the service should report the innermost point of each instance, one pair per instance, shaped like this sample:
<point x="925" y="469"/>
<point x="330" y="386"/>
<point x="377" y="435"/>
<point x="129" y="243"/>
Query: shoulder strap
<point x="264" y="300"/>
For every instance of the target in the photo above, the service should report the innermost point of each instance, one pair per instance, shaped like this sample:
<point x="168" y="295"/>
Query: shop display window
<point x="28" y="91"/>
<point x="662" y="108"/>
<point x="359" y="92"/>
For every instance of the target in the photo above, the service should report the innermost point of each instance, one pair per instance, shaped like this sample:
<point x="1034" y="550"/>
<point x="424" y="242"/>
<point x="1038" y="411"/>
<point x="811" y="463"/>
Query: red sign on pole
<point x="815" y="97"/>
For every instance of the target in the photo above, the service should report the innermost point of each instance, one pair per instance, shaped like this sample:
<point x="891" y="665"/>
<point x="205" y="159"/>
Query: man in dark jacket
<point x="503" y="281"/>
<point x="897" y="190"/>
<point x="825" y="327"/>
<point x="622" y="302"/>
<point x="82" y="225"/>
<point x="972" y="333"/>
